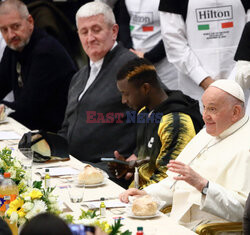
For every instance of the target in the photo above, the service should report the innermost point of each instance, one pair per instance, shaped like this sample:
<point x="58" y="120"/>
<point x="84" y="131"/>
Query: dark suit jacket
<point x="46" y="72"/>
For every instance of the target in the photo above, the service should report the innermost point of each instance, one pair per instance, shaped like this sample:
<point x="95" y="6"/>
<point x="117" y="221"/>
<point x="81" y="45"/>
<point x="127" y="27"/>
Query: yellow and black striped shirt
<point x="165" y="140"/>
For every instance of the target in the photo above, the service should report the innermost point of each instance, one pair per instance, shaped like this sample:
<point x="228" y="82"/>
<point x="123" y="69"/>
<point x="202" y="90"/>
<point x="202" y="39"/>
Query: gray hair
<point x="10" y="5"/>
<point x="96" y="8"/>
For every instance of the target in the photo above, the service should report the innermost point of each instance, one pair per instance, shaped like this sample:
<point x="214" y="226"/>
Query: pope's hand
<point x="187" y="174"/>
<point x="131" y="192"/>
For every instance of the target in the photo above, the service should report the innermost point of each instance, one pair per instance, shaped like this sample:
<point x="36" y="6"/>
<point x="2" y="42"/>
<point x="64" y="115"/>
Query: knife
<point x="106" y="198"/>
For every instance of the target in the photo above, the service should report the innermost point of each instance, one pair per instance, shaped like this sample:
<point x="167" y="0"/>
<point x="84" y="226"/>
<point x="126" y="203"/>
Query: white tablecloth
<point x="153" y="226"/>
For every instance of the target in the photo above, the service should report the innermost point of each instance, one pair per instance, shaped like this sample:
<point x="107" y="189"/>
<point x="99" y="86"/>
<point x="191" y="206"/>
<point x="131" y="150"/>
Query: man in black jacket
<point x="36" y="67"/>
<point x="166" y="122"/>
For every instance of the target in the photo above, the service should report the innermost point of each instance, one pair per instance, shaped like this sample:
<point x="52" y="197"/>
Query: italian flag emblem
<point x="144" y="28"/>
<point x="147" y="28"/>
<point x="224" y="25"/>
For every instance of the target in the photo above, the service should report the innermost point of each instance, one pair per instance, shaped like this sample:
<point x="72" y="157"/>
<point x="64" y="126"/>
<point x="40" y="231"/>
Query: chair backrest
<point x="54" y="22"/>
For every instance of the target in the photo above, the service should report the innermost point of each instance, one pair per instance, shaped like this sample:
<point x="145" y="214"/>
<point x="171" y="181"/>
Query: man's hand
<point x="129" y="159"/>
<point x="187" y="174"/>
<point x="138" y="53"/>
<point x="131" y="192"/>
<point x="120" y="170"/>
<point x="206" y="82"/>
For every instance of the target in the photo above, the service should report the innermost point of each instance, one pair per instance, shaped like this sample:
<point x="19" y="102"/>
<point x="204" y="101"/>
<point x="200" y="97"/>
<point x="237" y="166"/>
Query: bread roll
<point x="2" y="115"/>
<point x="144" y="206"/>
<point x="90" y="175"/>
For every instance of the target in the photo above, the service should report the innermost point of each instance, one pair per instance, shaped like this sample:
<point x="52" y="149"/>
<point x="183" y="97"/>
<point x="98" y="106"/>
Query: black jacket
<point x="46" y="72"/>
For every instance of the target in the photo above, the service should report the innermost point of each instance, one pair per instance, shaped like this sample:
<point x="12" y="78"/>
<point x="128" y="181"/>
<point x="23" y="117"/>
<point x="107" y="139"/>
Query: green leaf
<point x="127" y="232"/>
<point x="37" y="184"/>
<point x="69" y="219"/>
<point x="89" y="214"/>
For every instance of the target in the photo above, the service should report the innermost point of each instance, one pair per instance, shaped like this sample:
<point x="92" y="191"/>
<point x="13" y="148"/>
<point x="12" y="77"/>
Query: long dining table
<point x="157" y="225"/>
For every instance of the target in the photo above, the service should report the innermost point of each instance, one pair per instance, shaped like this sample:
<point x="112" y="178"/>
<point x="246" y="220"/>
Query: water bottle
<point x="8" y="193"/>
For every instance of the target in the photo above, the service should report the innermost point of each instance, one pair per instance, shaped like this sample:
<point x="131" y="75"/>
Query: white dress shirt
<point x="95" y="68"/>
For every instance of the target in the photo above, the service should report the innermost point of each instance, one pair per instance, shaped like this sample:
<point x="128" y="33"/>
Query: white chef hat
<point x="231" y="87"/>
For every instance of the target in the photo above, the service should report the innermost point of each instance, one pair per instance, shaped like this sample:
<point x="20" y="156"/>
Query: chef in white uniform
<point x="242" y="68"/>
<point x="201" y="38"/>
<point x="140" y="31"/>
<point x="209" y="181"/>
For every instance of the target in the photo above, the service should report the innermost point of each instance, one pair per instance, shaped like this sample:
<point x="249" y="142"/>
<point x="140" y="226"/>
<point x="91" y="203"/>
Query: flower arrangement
<point x="12" y="165"/>
<point x="90" y="218"/>
<point x="34" y="200"/>
<point x="31" y="200"/>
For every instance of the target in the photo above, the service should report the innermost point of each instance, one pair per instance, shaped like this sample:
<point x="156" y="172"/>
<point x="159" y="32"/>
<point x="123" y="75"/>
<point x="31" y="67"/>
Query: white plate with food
<point x="94" y="185"/>
<point x="131" y="215"/>
<point x="92" y="177"/>
<point x="144" y="207"/>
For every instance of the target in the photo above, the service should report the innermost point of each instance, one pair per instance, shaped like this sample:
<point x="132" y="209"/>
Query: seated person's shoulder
<point x="178" y="118"/>
<point x="126" y="52"/>
<point x="46" y="44"/>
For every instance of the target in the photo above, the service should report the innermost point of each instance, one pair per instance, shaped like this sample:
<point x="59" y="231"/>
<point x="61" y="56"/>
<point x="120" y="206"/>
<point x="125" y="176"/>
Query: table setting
<point x="69" y="196"/>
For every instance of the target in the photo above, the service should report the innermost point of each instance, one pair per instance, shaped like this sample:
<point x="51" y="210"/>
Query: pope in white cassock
<point x="210" y="180"/>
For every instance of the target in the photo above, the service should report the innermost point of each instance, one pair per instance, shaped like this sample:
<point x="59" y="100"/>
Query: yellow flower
<point x="35" y="194"/>
<point x="103" y="225"/>
<point x="16" y="206"/>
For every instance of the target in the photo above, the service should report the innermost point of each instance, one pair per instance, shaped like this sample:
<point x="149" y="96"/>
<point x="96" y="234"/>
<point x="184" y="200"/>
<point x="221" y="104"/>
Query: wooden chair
<point x="213" y="228"/>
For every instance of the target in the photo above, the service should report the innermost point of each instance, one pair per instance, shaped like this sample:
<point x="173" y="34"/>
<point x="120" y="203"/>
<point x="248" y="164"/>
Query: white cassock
<point x="225" y="162"/>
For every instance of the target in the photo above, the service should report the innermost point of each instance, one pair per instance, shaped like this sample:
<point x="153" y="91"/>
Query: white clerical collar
<point x="234" y="127"/>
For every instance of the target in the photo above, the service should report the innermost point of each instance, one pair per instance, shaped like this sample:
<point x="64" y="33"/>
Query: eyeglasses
<point x="19" y="78"/>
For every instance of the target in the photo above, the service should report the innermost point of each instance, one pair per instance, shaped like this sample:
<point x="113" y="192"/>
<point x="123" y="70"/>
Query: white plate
<point x="96" y="185"/>
<point x="106" y="176"/>
<point x="131" y="214"/>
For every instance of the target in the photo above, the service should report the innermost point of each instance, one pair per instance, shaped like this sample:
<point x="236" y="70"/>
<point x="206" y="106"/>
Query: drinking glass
<point x="76" y="192"/>
<point x="25" y="155"/>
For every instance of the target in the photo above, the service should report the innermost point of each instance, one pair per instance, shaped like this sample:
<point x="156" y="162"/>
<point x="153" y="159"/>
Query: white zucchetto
<point x="231" y="87"/>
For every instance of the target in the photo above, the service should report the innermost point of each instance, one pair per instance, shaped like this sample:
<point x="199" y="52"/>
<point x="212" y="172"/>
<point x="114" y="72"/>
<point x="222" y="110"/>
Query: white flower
<point x="13" y="217"/>
<point x="86" y="221"/>
<point x="52" y="198"/>
<point x="12" y="173"/>
<point x="27" y="206"/>
<point x="39" y="207"/>
<point x="27" y="198"/>
<point x="17" y="164"/>
<point x="27" y="175"/>
<point x="1" y="163"/>
<point x="55" y="207"/>
<point x="22" y="221"/>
